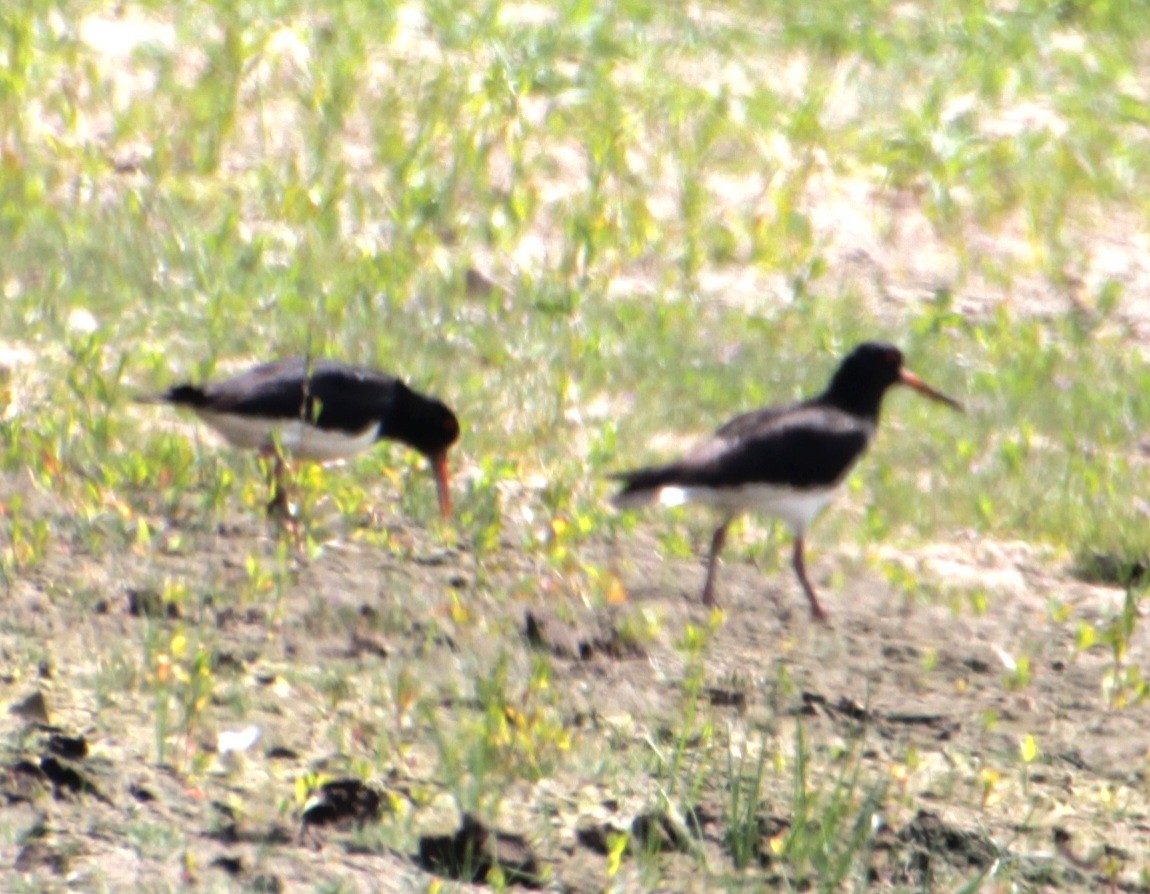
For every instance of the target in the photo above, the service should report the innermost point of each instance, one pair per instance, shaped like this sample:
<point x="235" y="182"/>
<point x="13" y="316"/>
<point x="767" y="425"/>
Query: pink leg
<point x="278" y="505"/>
<point x="801" y="571"/>
<point x="717" y="541"/>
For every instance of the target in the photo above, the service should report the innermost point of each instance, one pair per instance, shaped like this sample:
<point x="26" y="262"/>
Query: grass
<point x="590" y="227"/>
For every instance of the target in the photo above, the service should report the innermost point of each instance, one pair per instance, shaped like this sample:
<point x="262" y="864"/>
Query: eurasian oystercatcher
<point x="782" y="461"/>
<point x="321" y="410"/>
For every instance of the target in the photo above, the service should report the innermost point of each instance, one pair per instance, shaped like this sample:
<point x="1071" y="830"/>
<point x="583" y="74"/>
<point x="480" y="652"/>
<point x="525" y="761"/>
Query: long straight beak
<point x="908" y="378"/>
<point x="442" y="483"/>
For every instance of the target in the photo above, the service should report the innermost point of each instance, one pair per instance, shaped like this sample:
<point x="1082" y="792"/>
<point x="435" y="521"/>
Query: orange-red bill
<point x="908" y="378"/>
<point x="442" y="483"/>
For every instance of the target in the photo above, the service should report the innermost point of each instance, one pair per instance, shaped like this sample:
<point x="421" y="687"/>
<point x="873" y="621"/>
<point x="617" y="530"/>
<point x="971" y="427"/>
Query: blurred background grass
<point x="588" y="224"/>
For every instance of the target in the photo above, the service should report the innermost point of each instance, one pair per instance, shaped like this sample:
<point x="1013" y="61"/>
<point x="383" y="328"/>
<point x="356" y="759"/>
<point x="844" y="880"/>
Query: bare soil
<point x="915" y="694"/>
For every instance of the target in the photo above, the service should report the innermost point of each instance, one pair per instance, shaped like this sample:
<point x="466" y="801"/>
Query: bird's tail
<point x="641" y="487"/>
<point x="181" y="395"/>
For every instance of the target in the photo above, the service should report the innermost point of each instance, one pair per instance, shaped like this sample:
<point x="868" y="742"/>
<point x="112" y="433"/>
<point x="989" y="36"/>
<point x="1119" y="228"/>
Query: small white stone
<point x="82" y="322"/>
<point x="238" y="740"/>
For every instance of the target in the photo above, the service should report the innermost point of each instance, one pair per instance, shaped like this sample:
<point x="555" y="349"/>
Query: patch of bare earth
<point x="918" y="692"/>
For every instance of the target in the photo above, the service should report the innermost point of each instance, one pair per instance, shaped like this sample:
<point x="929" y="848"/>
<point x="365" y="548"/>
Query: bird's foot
<point x="288" y="524"/>
<point x="278" y="507"/>
<point x="819" y="616"/>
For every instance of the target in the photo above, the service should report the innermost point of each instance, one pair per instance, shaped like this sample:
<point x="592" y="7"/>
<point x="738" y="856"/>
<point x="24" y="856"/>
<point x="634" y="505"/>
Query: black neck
<point x="858" y="397"/>
<point x="422" y="423"/>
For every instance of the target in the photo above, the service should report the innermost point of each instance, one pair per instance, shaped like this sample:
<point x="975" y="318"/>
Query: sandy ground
<point x="915" y="694"/>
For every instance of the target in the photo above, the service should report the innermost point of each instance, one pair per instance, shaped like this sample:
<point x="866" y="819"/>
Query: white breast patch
<point x="797" y="507"/>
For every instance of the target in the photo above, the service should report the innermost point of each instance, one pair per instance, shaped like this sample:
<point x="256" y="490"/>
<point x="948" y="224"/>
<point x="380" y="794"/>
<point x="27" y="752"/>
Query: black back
<point x="803" y="446"/>
<point x="810" y="444"/>
<point x="330" y="395"/>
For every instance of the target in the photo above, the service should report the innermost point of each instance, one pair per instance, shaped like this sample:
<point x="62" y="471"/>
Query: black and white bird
<point x="785" y="462"/>
<point x="321" y="410"/>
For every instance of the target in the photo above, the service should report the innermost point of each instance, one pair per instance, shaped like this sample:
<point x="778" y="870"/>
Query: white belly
<point x="796" y="507"/>
<point x="296" y="437"/>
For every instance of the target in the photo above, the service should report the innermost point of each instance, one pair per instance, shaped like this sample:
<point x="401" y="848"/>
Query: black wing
<point x="801" y="446"/>
<point x="329" y="394"/>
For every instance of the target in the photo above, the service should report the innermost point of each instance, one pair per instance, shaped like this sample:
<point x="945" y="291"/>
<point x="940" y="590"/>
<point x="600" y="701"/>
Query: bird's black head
<point x="424" y="423"/>
<point x="867" y="372"/>
<point x="429" y="426"/>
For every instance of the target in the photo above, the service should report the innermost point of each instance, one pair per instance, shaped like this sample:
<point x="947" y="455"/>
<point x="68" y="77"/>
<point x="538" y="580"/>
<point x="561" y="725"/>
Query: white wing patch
<point x="676" y="496"/>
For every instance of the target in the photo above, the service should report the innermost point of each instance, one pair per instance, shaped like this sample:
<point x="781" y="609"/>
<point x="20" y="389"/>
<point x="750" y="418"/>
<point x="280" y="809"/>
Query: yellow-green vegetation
<point x="594" y="229"/>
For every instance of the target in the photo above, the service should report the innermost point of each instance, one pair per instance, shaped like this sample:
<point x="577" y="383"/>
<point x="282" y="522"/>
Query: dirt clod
<point x="32" y="707"/>
<point x="268" y="884"/>
<point x="473" y="851"/>
<point x="37" y="854"/>
<point x="66" y="779"/>
<point x="25" y="780"/>
<point x="367" y="644"/>
<point x="582" y="640"/>
<point x="1117" y="570"/>
<point x="150" y="604"/>
<point x="71" y="748"/>
<point x="343" y="801"/>
<point x="230" y="865"/>
<point x="549" y="634"/>
<point x="657" y="831"/>
<point x="598" y="835"/>
<point x="771" y="829"/>
<point x="929" y="838"/>
<point x="727" y="698"/>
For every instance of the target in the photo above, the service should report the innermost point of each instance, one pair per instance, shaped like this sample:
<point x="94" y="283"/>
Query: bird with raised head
<point x="785" y="462"/>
